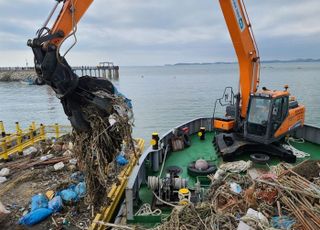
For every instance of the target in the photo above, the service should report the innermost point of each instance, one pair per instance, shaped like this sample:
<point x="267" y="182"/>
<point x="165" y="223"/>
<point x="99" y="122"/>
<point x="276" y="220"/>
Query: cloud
<point x="137" y="32"/>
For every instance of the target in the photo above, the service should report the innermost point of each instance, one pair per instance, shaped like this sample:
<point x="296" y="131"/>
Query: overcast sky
<point x="156" y="32"/>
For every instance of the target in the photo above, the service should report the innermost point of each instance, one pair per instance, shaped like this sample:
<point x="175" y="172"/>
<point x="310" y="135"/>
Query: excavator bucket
<point x="77" y="94"/>
<point x="231" y="145"/>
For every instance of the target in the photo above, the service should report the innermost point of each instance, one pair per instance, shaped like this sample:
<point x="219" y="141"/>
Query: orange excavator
<point x="256" y="121"/>
<point x="75" y="93"/>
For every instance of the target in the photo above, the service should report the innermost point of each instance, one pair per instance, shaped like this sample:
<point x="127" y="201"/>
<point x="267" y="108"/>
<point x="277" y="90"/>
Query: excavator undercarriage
<point x="230" y="145"/>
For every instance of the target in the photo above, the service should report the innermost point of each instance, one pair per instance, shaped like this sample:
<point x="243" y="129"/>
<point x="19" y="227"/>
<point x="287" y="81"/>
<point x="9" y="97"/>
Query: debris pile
<point x="279" y="198"/>
<point x="96" y="150"/>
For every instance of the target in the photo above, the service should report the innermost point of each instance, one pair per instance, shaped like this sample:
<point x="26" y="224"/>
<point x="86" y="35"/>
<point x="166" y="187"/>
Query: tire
<point x="259" y="158"/>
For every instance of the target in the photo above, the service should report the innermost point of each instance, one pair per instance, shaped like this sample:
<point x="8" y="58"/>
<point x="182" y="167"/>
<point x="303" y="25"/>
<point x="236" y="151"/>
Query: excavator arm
<point x="73" y="91"/>
<point x="245" y="46"/>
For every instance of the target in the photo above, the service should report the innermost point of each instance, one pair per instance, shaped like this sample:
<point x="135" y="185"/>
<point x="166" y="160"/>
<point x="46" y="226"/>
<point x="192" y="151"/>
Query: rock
<point x="4" y="172"/>
<point x="58" y="166"/>
<point x="29" y="151"/>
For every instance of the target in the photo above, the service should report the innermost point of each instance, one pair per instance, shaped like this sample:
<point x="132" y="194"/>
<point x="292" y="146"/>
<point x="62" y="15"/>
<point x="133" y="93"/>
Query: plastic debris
<point x="69" y="195"/>
<point x="121" y="160"/>
<point x="29" y="151"/>
<point x="4" y="172"/>
<point x="236" y="188"/>
<point x="50" y="194"/>
<point x="251" y="213"/>
<point x="55" y="204"/>
<point x="46" y="157"/>
<point x="77" y="176"/>
<point x="219" y="174"/>
<point x="39" y="201"/>
<point x="244" y="226"/>
<point x="58" y="166"/>
<point x="70" y="145"/>
<point x="3" y="209"/>
<point x="2" y="179"/>
<point x="67" y="153"/>
<point x="35" y="217"/>
<point x="73" y="161"/>
<point x="81" y="189"/>
<point x="282" y="222"/>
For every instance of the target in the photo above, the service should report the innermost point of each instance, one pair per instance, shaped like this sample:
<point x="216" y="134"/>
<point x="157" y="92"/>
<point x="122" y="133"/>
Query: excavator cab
<point x="271" y="115"/>
<point x="265" y="116"/>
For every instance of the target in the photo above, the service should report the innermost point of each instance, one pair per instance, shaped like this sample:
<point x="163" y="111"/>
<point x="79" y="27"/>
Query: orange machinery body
<point x="65" y="21"/>
<point x="295" y="116"/>
<point x="247" y="53"/>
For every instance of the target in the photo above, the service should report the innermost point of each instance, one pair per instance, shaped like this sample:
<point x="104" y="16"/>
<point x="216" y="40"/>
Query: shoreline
<point x="17" y="75"/>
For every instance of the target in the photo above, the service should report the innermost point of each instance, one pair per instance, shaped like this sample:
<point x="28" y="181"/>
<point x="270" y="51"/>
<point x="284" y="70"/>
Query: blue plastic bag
<point x="283" y="222"/>
<point x="39" y="201"/>
<point x="55" y="204"/>
<point x="81" y="189"/>
<point x="77" y="176"/>
<point x="121" y="160"/>
<point x="127" y="100"/>
<point x="69" y="195"/>
<point x="35" y="217"/>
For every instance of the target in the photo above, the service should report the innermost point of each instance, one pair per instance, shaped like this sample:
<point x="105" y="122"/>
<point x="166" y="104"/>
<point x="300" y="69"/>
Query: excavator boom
<point x="259" y="119"/>
<point x="244" y="44"/>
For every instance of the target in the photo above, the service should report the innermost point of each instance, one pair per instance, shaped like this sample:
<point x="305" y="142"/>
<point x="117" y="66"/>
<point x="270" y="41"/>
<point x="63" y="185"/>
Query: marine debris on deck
<point x="278" y="198"/>
<point x="51" y="168"/>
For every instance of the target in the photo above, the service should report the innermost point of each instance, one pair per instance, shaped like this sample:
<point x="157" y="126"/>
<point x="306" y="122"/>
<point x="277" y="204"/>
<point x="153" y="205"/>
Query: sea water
<point x="166" y="96"/>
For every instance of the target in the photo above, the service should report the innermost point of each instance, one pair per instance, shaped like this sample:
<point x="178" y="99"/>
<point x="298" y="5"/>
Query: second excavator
<point x="256" y="121"/>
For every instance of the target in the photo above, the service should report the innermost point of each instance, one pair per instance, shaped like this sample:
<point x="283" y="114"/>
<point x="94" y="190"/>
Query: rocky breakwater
<point x="20" y="74"/>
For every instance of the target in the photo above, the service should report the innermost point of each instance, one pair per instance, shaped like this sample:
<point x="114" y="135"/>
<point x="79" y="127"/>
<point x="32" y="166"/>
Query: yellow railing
<point x="21" y="139"/>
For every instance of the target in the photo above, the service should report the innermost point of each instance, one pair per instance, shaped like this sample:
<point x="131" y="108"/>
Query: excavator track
<point x="231" y="145"/>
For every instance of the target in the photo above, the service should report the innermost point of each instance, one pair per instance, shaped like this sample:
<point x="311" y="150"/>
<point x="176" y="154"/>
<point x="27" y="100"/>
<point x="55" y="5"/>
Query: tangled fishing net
<point x="110" y="134"/>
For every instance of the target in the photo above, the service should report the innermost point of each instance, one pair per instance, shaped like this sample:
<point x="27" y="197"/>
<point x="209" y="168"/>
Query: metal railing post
<point x="19" y="137"/>
<point x="42" y="131"/>
<point x="2" y="130"/>
<point x="57" y="130"/>
<point x="4" y="154"/>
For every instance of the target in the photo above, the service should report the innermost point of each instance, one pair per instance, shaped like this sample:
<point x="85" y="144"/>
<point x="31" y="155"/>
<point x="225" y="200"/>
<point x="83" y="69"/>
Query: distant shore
<point x="17" y="75"/>
<point x="262" y="61"/>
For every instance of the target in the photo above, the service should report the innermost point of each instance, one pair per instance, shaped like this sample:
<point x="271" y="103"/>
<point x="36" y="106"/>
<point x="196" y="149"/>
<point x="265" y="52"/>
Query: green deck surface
<point x="205" y="150"/>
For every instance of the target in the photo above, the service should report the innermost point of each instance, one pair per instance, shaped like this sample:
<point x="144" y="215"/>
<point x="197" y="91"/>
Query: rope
<point x="236" y="167"/>
<point x="145" y="210"/>
<point x="164" y="160"/>
<point x="167" y="203"/>
<point x="298" y="153"/>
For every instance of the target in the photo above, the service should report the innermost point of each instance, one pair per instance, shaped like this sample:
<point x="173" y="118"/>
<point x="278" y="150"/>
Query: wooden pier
<point x="104" y="69"/>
